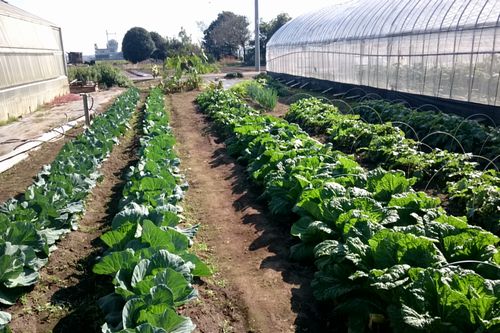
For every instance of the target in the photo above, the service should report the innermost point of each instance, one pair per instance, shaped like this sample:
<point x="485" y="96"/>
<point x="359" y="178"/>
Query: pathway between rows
<point x="249" y="247"/>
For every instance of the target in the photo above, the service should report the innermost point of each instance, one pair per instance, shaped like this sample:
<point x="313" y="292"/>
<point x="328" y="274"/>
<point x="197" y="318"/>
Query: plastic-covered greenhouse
<point x="32" y="64"/>
<point x="441" y="48"/>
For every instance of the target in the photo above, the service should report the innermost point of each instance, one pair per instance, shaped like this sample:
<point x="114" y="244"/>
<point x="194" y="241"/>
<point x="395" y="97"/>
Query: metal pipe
<point x="257" y="37"/>
<point x="86" y="109"/>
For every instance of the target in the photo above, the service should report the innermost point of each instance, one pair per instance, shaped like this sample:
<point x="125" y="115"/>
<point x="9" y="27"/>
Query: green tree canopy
<point x="160" y="52"/>
<point x="137" y="45"/>
<point x="267" y="30"/>
<point x="226" y="34"/>
<point x="112" y="45"/>
<point x="182" y="45"/>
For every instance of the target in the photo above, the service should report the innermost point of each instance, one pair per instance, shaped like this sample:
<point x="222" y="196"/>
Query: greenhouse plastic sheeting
<point x="442" y="48"/>
<point x="30" y="48"/>
<point x="32" y="63"/>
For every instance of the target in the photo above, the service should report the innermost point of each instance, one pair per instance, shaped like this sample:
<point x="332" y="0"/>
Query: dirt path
<point x="64" y="300"/>
<point x="248" y="247"/>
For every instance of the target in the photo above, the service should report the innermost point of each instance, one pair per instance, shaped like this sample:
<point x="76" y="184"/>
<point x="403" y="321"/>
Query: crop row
<point x="437" y="129"/>
<point x="147" y="251"/>
<point x="471" y="192"/>
<point x="50" y="208"/>
<point x="386" y="255"/>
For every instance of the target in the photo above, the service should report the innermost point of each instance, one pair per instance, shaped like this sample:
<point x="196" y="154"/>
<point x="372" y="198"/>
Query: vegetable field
<point x="225" y="218"/>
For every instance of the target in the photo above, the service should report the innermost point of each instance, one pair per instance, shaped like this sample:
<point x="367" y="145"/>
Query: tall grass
<point x="265" y="97"/>
<point x="258" y="92"/>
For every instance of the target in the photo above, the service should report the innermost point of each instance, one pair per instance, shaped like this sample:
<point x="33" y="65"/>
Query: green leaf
<point x="181" y="289"/>
<point x="410" y="203"/>
<point x="164" y="259"/>
<point x="417" y="320"/>
<point x="140" y="272"/>
<point x="117" y="239"/>
<point x="144" y="328"/>
<point x="471" y="244"/>
<point x="132" y="212"/>
<point x="384" y="184"/>
<point x="200" y="268"/>
<point x="52" y="235"/>
<point x="169" y="239"/>
<point x="391" y="248"/>
<point x="9" y="296"/>
<point x="114" y="262"/>
<point x="24" y="279"/>
<point x="334" y="282"/>
<point x="329" y="248"/>
<point x="456" y="300"/>
<point x="414" y="201"/>
<point x="300" y="227"/>
<point x="5" y="318"/>
<point x="25" y="233"/>
<point x="131" y="312"/>
<point x="161" y="294"/>
<point x="168" y="320"/>
<point x="457" y="222"/>
<point x="317" y="232"/>
<point x="112" y="306"/>
<point x="302" y="252"/>
<point x="389" y="278"/>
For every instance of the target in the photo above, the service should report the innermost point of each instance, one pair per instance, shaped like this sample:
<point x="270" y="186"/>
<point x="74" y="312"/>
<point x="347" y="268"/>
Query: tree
<point x="267" y="30"/>
<point x="181" y="46"/>
<point x="226" y="34"/>
<point x="274" y="25"/>
<point x="184" y="37"/>
<point x="160" y="52"/>
<point x="137" y="45"/>
<point x="112" y="45"/>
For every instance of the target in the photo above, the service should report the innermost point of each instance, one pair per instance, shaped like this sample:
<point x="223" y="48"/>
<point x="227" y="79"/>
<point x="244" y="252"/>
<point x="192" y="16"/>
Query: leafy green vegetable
<point x="369" y="232"/>
<point x="147" y="250"/>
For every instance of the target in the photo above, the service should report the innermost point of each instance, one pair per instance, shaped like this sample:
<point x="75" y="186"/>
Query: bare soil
<point x="259" y="288"/>
<point x="65" y="298"/>
<point x="280" y="110"/>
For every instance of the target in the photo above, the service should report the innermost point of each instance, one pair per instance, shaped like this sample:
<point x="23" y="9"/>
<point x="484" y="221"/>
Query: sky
<point x="84" y="23"/>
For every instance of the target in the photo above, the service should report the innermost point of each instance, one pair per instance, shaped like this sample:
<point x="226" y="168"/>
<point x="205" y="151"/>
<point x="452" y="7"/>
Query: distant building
<point x="32" y="62"/>
<point x="75" y="58"/>
<point x="107" y="54"/>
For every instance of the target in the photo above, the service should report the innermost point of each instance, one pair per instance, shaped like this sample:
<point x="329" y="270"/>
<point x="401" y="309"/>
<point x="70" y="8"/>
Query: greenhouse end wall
<point x="15" y="102"/>
<point x="442" y="48"/>
<point x="32" y="64"/>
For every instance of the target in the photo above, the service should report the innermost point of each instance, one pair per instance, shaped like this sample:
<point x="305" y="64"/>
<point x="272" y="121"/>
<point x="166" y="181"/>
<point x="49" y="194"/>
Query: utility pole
<point x="257" y="37"/>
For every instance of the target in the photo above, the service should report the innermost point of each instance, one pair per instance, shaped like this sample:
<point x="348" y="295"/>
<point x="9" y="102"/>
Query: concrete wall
<point x="24" y="99"/>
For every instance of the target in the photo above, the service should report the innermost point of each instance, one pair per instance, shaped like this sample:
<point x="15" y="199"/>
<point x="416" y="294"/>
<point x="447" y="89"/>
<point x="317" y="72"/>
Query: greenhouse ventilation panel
<point x="440" y="48"/>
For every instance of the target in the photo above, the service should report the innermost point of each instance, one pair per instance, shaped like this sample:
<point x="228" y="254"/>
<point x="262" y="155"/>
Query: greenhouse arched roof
<point x="362" y="19"/>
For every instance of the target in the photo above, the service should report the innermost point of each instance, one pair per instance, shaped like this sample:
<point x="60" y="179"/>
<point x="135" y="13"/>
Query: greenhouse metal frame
<point x="442" y="48"/>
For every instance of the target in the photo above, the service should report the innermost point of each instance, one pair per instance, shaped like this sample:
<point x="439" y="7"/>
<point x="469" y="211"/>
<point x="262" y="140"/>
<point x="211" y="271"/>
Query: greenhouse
<point x="32" y="64"/>
<point x="447" y="49"/>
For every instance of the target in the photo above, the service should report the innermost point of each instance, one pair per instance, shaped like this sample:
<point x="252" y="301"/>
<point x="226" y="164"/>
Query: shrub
<point x="83" y="74"/>
<point x="233" y="75"/>
<point x="102" y="73"/>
